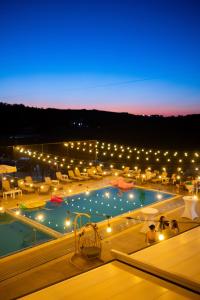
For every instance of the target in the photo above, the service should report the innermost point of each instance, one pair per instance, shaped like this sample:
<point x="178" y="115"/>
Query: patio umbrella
<point x="7" y="169"/>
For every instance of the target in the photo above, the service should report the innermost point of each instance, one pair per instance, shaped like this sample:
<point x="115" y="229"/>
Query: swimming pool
<point x="99" y="204"/>
<point x="16" y="235"/>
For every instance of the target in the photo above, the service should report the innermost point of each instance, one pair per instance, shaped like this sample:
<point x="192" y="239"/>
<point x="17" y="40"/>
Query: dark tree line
<point x="20" y="125"/>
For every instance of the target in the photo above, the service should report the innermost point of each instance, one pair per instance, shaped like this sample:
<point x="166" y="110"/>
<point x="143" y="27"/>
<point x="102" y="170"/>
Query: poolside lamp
<point x="40" y="217"/>
<point x="161" y="237"/>
<point x="68" y="221"/>
<point x="109" y="228"/>
<point x="1" y="209"/>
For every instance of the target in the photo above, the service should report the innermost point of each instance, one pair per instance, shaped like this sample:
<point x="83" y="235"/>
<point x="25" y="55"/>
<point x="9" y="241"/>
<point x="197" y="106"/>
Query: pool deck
<point x="49" y="263"/>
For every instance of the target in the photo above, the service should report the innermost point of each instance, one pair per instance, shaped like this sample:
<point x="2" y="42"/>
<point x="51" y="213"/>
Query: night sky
<point x="141" y="57"/>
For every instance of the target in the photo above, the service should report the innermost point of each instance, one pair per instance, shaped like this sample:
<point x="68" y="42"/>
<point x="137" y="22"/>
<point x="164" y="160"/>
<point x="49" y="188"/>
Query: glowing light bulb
<point x="40" y="217"/>
<point x="161" y="237"/>
<point x="109" y="229"/>
<point x="1" y="209"/>
<point x="67" y="222"/>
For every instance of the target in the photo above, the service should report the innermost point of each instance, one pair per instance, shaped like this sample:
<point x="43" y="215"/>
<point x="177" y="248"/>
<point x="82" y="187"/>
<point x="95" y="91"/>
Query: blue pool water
<point x="16" y="235"/>
<point x="98" y="203"/>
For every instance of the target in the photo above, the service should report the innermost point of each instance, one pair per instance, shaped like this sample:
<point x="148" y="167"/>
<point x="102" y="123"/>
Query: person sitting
<point x="161" y="225"/>
<point x="167" y="230"/>
<point x="151" y="235"/>
<point x="174" y="227"/>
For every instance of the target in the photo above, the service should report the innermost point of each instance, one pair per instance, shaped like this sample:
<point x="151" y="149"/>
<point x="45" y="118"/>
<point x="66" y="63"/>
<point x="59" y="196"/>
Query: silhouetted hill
<point x="20" y="124"/>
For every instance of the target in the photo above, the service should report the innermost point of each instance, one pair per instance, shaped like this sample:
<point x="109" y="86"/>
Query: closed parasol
<point x="7" y="169"/>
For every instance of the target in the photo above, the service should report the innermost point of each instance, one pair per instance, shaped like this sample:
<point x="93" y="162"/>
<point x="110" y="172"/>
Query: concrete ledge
<point x="35" y="224"/>
<point x="178" y="280"/>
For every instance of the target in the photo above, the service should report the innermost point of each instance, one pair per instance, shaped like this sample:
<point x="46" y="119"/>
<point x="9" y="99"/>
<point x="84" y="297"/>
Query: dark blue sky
<point x="135" y="56"/>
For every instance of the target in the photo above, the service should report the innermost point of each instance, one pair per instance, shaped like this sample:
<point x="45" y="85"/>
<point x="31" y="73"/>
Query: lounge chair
<point x="28" y="179"/>
<point x="54" y="184"/>
<point x="121" y="172"/>
<point x="44" y="189"/>
<point x="84" y="176"/>
<point x="24" y="188"/>
<point x="62" y="177"/>
<point x="8" y="191"/>
<point x="72" y="176"/>
<point x="127" y="173"/>
<point x="101" y="172"/>
<point x="92" y="174"/>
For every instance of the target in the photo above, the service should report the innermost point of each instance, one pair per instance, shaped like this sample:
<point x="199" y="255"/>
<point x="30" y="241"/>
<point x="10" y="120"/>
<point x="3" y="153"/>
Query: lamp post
<point x="109" y="228"/>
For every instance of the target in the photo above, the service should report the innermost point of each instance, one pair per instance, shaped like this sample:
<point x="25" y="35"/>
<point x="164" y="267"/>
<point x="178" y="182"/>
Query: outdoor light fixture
<point x="161" y="237"/>
<point x="1" y="209"/>
<point x="109" y="228"/>
<point x="40" y="217"/>
<point x="67" y="222"/>
<point x="113" y="150"/>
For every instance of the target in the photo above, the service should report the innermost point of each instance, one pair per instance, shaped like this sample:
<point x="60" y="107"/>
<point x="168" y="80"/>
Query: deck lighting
<point x="40" y="217"/>
<point x="107" y="195"/>
<point x="67" y="222"/>
<point x="109" y="228"/>
<point x="1" y="209"/>
<point x="17" y="212"/>
<point x="161" y="237"/>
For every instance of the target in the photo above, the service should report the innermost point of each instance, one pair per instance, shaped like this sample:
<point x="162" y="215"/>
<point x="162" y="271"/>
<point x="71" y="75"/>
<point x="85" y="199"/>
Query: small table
<point x="18" y="192"/>
<point x="6" y="194"/>
<point x="149" y="213"/>
<point x="190" y="207"/>
<point x="12" y="193"/>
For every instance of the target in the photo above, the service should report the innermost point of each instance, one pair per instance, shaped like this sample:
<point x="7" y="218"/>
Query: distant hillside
<point x="21" y="124"/>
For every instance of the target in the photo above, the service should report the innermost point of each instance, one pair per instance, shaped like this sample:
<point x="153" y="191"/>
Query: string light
<point x="185" y="158"/>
